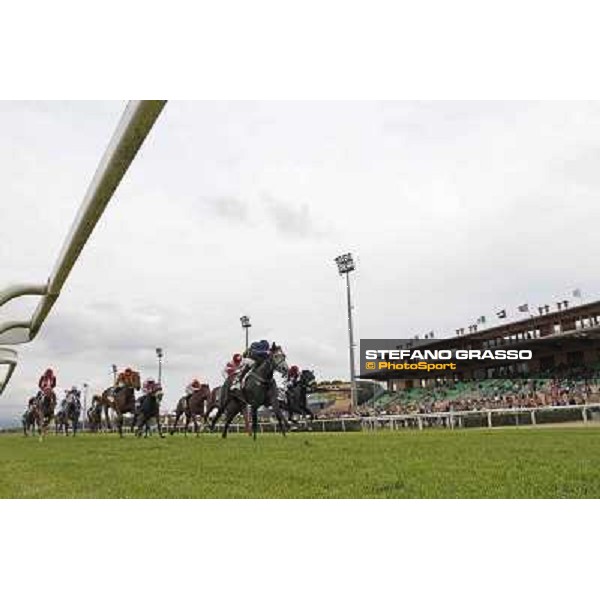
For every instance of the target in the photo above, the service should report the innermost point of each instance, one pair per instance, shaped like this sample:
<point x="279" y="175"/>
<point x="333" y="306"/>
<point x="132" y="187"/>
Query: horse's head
<point x="278" y="359"/>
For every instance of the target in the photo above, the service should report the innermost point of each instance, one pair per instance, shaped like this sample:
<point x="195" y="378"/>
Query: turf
<point x="503" y="463"/>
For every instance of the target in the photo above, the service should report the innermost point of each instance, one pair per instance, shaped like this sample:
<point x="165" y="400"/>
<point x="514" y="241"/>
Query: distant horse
<point x="296" y="396"/>
<point x="193" y="406"/>
<point x="149" y="408"/>
<point x="69" y="414"/>
<point x="94" y="414"/>
<point x="121" y="400"/>
<point x="60" y="421"/>
<point x="258" y="389"/>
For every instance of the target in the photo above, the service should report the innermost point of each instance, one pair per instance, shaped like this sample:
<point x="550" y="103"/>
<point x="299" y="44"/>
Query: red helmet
<point x="294" y="370"/>
<point x="128" y="370"/>
<point x="49" y="371"/>
<point x="195" y="383"/>
<point x="237" y="358"/>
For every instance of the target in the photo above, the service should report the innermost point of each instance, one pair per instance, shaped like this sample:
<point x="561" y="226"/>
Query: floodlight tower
<point x="245" y="321"/>
<point x="345" y="265"/>
<point x="159" y="355"/>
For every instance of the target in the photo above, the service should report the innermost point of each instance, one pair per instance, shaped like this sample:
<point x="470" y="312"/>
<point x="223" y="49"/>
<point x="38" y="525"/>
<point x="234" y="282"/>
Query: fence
<point x="492" y="417"/>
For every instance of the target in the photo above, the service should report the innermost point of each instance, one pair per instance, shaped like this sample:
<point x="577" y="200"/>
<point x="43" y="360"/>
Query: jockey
<point x="254" y="356"/>
<point x="151" y="387"/>
<point x="192" y="387"/>
<point x="233" y="366"/>
<point x="124" y="379"/>
<point x="47" y="382"/>
<point x="293" y="376"/>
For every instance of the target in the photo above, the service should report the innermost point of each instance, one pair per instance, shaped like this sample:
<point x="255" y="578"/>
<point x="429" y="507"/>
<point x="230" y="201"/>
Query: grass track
<point x="506" y="463"/>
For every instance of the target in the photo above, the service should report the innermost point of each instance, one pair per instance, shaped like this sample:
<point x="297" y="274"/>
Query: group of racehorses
<point x="257" y="390"/>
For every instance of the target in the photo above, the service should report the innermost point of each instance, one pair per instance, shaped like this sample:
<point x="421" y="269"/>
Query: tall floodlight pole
<point x="245" y="321"/>
<point x="345" y="265"/>
<point x="85" y="392"/>
<point x="114" y="372"/>
<point x="159" y="354"/>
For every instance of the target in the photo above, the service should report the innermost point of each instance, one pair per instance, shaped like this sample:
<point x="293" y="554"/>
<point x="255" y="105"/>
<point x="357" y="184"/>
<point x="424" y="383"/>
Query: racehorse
<point x="149" y="408"/>
<point x="296" y="396"/>
<point x="29" y="418"/>
<point x="192" y="406"/>
<point x="45" y="403"/>
<point x="258" y="389"/>
<point x="94" y="414"/>
<point x="68" y="414"/>
<point x="121" y="400"/>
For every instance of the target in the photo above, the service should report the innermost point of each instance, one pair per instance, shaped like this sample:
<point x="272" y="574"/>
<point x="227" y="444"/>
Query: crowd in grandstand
<point x="561" y="386"/>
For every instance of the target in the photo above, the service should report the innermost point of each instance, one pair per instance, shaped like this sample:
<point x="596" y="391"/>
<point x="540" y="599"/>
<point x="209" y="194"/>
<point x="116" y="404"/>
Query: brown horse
<point x="121" y="400"/>
<point x="193" y="406"/>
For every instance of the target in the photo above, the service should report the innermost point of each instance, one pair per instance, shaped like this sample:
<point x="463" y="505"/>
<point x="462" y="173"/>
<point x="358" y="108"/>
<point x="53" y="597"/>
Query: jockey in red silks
<point x="192" y="387"/>
<point x="293" y="376"/>
<point x="47" y="382"/>
<point x="233" y="366"/>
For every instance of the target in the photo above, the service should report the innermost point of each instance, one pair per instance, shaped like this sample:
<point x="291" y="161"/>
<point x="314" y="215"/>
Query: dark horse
<point x="29" y="418"/>
<point x="149" y="408"/>
<point x="296" y="396"/>
<point x="218" y="400"/>
<point x="94" y="414"/>
<point x="68" y="414"/>
<point x="193" y="406"/>
<point x="121" y="400"/>
<point x="258" y="389"/>
<point x="44" y="405"/>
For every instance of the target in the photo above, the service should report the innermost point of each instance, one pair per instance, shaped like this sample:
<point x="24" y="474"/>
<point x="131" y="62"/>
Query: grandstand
<point x="565" y="370"/>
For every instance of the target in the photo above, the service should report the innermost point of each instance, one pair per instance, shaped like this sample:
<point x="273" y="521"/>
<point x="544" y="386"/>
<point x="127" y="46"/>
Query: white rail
<point x="135" y="124"/>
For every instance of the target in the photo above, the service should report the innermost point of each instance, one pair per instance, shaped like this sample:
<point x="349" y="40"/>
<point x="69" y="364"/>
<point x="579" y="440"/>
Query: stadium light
<point x="159" y="355"/>
<point x="345" y="265"/>
<point x="85" y="393"/>
<point x="245" y="321"/>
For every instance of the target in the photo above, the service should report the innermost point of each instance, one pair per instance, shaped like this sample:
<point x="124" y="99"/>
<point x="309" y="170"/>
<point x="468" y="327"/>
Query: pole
<point x="353" y="398"/>
<point x="85" y="390"/>
<point x="246" y="337"/>
<point x="159" y="370"/>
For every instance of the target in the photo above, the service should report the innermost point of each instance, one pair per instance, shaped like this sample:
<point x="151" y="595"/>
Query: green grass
<point x="502" y="463"/>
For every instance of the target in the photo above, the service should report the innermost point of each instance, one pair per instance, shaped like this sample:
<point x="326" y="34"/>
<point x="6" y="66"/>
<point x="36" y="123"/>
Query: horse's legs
<point x="120" y="422"/>
<point x="177" y="417"/>
<point x="232" y="409"/>
<point x="246" y="416"/>
<point x="254" y="411"/>
<point x="108" y="423"/>
<point x="195" y="422"/>
<point x="158" y="425"/>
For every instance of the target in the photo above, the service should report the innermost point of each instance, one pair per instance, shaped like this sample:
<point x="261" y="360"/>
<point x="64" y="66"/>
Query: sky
<point x="453" y="210"/>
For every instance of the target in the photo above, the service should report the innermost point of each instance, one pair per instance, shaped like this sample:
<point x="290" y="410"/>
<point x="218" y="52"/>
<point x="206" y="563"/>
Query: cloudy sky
<point x="453" y="210"/>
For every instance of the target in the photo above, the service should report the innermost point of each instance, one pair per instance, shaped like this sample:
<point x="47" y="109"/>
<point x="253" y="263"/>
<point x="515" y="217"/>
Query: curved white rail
<point x="7" y="357"/>
<point x="135" y="124"/>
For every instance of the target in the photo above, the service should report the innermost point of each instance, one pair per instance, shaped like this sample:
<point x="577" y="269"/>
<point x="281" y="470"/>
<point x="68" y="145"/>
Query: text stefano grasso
<point x="498" y="354"/>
